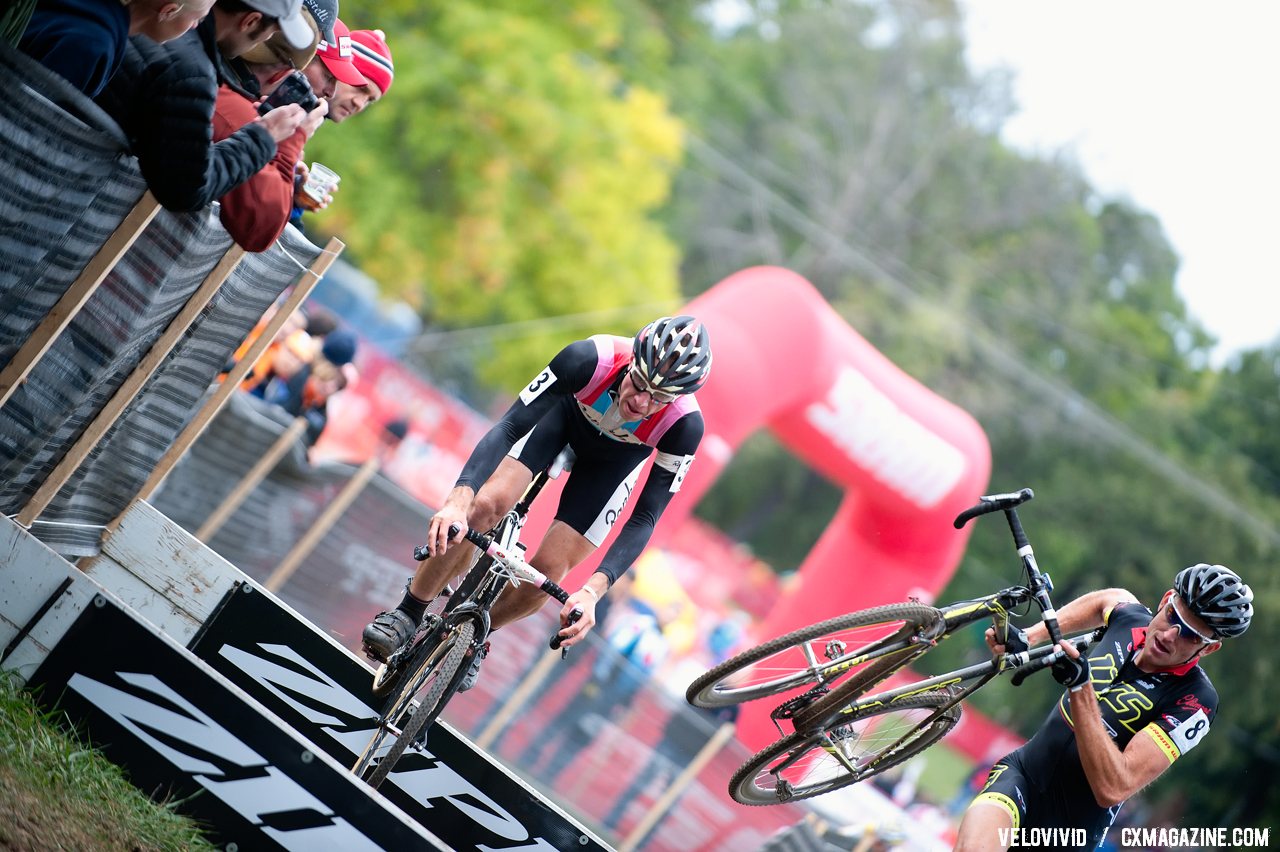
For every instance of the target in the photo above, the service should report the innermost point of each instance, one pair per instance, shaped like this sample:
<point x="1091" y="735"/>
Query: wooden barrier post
<point x="683" y="780"/>
<point x="301" y="550"/>
<point x="130" y="388"/>
<point x="65" y="309"/>
<point x="231" y="383"/>
<point x="539" y="673"/>
<point x="251" y="480"/>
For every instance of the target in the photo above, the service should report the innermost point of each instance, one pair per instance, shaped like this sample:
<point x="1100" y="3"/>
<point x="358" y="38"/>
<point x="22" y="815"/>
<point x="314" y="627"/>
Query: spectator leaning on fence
<point x="372" y="58"/>
<point x="84" y="40"/>
<point x="164" y="95"/>
<point x="256" y="212"/>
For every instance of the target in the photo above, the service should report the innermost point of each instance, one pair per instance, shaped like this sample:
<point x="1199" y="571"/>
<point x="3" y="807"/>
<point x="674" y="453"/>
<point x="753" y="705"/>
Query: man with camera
<point x="164" y="95"/>
<point x="256" y="212"/>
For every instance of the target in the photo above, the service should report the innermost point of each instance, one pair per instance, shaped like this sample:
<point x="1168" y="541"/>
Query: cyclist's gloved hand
<point x="1016" y="640"/>
<point x="1071" y="672"/>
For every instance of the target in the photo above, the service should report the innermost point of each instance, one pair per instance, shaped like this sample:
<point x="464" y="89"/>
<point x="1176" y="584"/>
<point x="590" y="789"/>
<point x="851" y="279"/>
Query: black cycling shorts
<point x="1030" y="807"/>
<point x="604" y="472"/>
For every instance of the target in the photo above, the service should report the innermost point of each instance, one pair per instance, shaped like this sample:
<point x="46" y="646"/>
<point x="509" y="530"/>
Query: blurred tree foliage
<point x="512" y="173"/>
<point x="522" y="169"/>
<point x="1009" y="285"/>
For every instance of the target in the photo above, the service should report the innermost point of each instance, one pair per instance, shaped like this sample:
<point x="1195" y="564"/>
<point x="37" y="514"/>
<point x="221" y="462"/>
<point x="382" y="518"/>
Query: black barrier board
<point x="460" y="796"/>
<point x="177" y="728"/>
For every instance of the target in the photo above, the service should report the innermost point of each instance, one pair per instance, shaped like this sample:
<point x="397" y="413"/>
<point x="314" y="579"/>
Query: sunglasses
<point x="642" y="386"/>
<point x="1186" y="631"/>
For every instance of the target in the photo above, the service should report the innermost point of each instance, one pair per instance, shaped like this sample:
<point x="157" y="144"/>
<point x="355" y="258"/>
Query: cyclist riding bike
<point x="613" y="401"/>
<point x="1137" y="704"/>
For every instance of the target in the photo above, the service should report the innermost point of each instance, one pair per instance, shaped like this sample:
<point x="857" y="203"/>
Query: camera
<point x="293" y="89"/>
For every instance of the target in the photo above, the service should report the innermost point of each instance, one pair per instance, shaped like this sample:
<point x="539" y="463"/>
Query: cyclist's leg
<point x="561" y="549"/>
<point x="1000" y="805"/>
<point x="494" y="499"/>
<point x="593" y="498"/>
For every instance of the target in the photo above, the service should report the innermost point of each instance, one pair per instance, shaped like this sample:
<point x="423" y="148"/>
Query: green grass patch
<point x="56" y="793"/>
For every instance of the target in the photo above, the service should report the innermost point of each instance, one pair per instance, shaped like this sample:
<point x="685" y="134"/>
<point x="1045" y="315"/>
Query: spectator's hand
<point x="282" y="122"/>
<point x="572" y="634"/>
<point x="453" y="513"/>
<point x="312" y="120"/>
<point x="301" y="197"/>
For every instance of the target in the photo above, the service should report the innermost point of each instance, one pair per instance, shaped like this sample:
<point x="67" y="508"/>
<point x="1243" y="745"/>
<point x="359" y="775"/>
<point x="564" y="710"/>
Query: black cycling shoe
<point x="388" y="633"/>
<point x="473" y="673"/>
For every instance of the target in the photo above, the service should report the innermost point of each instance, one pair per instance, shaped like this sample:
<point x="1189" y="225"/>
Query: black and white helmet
<point x="673" y="354"/>
<point x="1217" y="595"/>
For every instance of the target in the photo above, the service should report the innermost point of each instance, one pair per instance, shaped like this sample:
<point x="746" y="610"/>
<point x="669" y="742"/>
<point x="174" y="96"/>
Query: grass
<point x="55" y="793"/>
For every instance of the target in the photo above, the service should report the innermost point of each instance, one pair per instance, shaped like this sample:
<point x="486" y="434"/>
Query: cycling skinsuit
<point x="572" y="402"/>
<point x="1043" y="784"/>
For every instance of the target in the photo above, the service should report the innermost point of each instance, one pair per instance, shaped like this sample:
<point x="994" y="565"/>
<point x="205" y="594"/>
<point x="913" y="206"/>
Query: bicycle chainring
<point x="789" y="708"/>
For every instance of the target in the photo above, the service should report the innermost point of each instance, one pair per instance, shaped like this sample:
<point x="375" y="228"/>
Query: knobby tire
<point x="716" y="688"/>
<point x="442" y="687"/>
<point x="754" y="784"/>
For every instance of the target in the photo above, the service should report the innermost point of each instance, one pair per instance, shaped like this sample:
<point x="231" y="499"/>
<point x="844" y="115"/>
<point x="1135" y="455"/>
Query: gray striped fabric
<point x="65" y="189"/>
<point x="60" y="153"/>
<point x="358" y="567"/>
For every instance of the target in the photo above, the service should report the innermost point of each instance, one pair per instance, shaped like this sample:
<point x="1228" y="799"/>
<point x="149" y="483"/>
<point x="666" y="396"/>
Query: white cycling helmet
<point x="1217" y="595"/>
<point x="673" y="354"/>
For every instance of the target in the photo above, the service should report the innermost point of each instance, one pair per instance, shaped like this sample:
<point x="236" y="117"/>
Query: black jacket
<point x="163" y="99"/>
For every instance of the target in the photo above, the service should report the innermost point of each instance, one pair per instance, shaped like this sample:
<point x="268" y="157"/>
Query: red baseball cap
<point x="336" y="56"/>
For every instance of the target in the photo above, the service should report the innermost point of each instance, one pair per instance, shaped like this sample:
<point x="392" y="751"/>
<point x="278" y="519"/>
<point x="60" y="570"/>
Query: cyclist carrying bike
<point x="613" y="401"/>
<point x="1137" y="704"/>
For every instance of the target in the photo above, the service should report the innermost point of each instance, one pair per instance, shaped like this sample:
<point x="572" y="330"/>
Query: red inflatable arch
<point x="908" y="460"/>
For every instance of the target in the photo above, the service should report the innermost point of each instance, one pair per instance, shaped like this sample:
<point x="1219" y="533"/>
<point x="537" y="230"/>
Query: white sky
<point x="1174" y="104"/>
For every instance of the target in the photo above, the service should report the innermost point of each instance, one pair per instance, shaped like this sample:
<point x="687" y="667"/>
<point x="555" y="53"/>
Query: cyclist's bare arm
<point x="1114" y="775"/>
<point x="1084" y="613"/>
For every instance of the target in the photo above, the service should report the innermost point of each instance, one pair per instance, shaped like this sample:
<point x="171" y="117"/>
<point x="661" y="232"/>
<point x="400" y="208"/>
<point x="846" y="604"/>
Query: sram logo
<point x="242" y="779"/>
<point x="344" y="717"/>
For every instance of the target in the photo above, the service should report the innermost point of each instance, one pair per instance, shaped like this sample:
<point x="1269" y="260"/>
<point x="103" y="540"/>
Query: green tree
<point x="849" y="142"/>
<point x="511" y="173"/>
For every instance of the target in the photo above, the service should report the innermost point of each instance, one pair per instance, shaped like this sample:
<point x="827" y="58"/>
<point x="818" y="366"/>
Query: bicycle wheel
<point x="872" y="739"/>
<point x="824" y="710"/>
<point x="437" y="671"/>
<point x="840" y="645"/>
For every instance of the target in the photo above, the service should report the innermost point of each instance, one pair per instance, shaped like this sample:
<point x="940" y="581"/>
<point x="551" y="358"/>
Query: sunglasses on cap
<point x="642" y="386"/>
<point x="1185" y="631"/>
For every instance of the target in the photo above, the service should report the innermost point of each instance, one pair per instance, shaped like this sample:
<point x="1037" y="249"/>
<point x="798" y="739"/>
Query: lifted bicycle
<point x="843" y="731"/>
<point x="425" y="674"/>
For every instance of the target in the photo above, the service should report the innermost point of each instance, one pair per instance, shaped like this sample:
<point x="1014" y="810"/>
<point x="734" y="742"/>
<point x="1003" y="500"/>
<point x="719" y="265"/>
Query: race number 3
<point x="534" y="389"/>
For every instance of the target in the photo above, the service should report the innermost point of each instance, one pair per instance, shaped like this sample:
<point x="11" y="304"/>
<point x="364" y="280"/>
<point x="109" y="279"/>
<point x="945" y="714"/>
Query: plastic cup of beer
<point x="321" y="181"/>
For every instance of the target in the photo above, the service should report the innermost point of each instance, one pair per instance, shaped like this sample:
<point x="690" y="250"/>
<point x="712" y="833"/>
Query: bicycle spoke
<point x="803" y="765"/>
<point x="815" y="655"/>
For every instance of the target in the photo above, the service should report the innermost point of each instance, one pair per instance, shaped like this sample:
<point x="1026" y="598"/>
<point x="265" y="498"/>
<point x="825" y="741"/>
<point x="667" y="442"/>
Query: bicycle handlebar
<point x="1082" y="643"/>
<point x="517" y="566"/>
<point x="993" y="503"/>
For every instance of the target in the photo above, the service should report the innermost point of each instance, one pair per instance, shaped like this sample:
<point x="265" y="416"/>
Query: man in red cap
<point x="334" y="51"/>
<point x="372" y="59"/>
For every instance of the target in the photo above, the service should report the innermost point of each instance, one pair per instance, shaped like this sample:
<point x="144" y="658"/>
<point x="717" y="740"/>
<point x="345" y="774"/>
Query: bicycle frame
<point x="464" y="621"/>
<point x="958" y="615"/>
